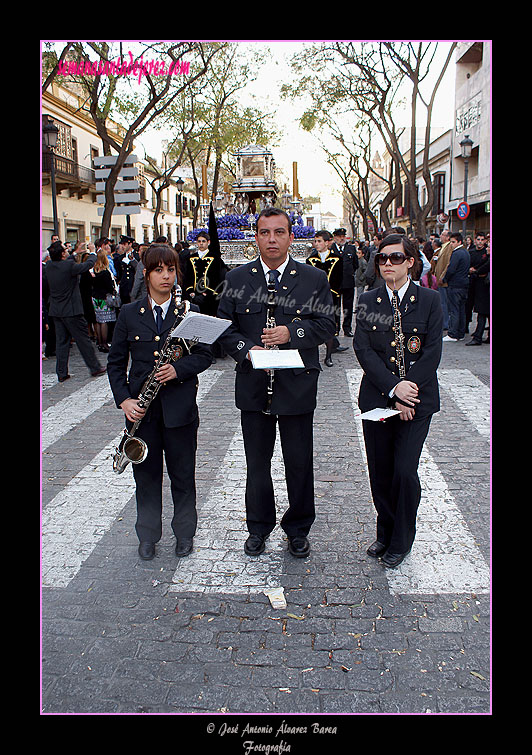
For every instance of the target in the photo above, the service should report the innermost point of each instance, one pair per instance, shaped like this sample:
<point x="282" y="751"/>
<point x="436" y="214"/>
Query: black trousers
<point x="76" y="328"/>
<point x="348" y="295"/>
<point x="393" y="449"/>
<point x="178" y="445"/>
<point x="259" y="432"/>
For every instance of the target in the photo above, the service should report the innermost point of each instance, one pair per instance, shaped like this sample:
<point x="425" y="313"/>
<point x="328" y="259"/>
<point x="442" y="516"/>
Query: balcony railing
<point x="67" y="169"/>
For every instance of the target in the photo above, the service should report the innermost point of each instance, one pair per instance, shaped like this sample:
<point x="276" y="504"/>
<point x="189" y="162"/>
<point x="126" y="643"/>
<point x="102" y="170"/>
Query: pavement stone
<point x="199" y="638"/>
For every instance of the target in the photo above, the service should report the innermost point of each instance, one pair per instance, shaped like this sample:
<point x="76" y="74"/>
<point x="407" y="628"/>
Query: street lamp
<point x="50" y="134"/>
<point x="180" y="183"/>
<point x="466" y="146"/>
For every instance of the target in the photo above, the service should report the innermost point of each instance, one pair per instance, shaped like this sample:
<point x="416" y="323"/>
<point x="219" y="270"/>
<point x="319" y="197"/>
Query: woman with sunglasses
<point x="393" y="446"/>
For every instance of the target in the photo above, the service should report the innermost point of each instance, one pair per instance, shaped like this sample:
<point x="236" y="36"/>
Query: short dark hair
<point x="204" y="235"/>
<point x="325" y="235"/>
<point x="269" y="211"/>
<point x="456" y="235"/>
<point x="56" y="251"/>
<point x="103" y="240"/>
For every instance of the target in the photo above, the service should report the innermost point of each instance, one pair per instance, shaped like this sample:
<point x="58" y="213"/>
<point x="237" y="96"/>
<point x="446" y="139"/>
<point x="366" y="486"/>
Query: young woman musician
<point x="398" y="342"/>
<point x="170" y="422"/>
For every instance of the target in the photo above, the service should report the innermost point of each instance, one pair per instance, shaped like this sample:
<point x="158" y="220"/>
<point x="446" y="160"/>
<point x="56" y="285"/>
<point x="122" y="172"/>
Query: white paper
<point x="276" y="596"/>
<point x="379" y="414"/>
<point x="275" y="359"/>
<point x="204" y="328"/>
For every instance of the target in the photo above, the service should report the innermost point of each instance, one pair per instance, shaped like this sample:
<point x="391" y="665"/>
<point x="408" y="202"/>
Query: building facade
<point x="77" y="205"/>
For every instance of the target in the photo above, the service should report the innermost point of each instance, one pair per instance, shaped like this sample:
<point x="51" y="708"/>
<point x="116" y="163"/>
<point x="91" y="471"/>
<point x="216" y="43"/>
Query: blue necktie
<point x="274" y="278"/>
<point x="159" y="317"/>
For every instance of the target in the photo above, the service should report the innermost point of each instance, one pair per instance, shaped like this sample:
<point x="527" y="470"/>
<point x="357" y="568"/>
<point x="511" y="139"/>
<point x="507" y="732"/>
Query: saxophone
<point x="270" y="323"/>
<point x="130" y="448"/>
<point x="398" y="335"/>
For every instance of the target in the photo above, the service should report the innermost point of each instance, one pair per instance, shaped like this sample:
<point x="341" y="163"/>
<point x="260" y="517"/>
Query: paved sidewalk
<point x="199" y="636"/>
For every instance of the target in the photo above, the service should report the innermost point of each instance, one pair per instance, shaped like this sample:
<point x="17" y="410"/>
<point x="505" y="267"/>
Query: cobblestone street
<point x="198" y="635"/>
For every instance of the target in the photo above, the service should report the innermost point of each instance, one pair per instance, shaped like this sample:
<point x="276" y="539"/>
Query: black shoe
<point x="391" y="560"/>
<point x="376" y="549"/>
<point x="474" y="343"/>
<point x="99" y="372"/>
<point x="183" y="546"/>
<point x="339" y="349"/>
<point x="348" y="334"/>
<point x="328" y="362"/>
<point x="254" y="545"/>
<point x="62" y="380"/>
<point x="146" y="550"/>
<point x="299" y="546"/>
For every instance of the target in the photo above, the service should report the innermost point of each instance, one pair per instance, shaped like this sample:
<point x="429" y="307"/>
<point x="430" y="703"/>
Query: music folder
<point x="275" y="359"/>
<point x="202" y="328"/>
<point x="379" y="415"/>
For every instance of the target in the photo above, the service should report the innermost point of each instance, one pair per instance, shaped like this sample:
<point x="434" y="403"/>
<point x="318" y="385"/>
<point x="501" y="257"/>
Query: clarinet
<point x="398" y="335"/>
<point x="270" y="323"/>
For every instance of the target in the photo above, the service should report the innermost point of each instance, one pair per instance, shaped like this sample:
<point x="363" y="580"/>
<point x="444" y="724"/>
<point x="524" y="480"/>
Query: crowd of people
<point x="458" y="269"/>
<point x="399" y="295"/>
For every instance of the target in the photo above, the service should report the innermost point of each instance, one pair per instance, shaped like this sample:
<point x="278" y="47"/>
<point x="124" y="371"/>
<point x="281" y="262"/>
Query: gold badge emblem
<point x="414" y="344"/>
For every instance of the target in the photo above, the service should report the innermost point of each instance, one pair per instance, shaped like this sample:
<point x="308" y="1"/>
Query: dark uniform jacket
<point x="332" y="267"/>
<point x="203" y="276"/>
<point x="374" y="345"/>
<point x="63" y="282"/>
<point x="136" y="335"/>
<point x="125" y="276"/>
<point x="304" y="305"/>
<point x="350" y="263"/>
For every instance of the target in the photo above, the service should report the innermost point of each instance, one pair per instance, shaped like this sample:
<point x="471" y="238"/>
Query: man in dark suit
<point x="66" y="308"/>
<point x="404" y="379"/>
<point x="350" y="264"/>
<point x="126" y="266"/>
<point x="304" y="319"/>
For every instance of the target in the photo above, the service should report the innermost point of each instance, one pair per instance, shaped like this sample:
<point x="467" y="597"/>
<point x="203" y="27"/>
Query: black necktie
<point x="274" y="278"/>
<point x="159" y="317"/>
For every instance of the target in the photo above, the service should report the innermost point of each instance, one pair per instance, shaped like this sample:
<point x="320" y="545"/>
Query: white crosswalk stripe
<point x="75" y="520"/>
<point x="219" y="563"/>
<point x="70" y="411"/>
<point x="471" y="395"/>
<point x="445" y="558"/>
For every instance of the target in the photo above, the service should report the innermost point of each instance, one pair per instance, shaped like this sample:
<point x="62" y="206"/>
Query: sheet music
<point x="203" y="328"/>
<point x="275" y="359"/>
<point x="379" y="414"/>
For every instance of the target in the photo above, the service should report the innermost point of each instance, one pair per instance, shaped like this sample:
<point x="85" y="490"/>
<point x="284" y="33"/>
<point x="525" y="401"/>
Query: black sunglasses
<point x="396" y="258"/>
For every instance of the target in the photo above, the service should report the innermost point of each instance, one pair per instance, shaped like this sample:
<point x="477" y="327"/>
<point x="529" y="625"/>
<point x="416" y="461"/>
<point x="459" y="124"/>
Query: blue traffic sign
<point x="463" y="210"/>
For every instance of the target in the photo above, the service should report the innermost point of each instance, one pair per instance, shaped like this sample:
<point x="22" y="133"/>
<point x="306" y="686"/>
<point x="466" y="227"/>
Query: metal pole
<point x="466" y="173"/>
<point x="54" y="193"/>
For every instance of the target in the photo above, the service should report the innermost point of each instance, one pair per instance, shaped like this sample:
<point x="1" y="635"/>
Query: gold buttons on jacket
<point x="157" y="338"/>
<point x="392" y="343"/>
<point x="137" y="338"/>
<point x="392" y="359"/>
<point x="155" y="353"/>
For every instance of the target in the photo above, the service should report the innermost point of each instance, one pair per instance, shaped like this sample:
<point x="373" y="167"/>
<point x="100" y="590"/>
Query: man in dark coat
<point x="66" y="308"/>
<point x="304" y="319"/>
<point x="350" y="264"/>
